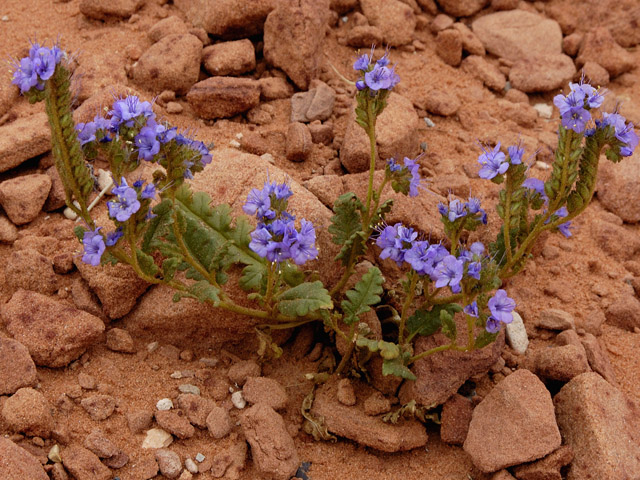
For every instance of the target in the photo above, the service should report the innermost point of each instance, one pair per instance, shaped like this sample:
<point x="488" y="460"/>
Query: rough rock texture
<point x="293" y="37"/>
<point x="439" y="376"/>
<point x="18" y="464"/>
<point x="229" y="58"/>
<point x="598" y="358"/>
<point x="462" y="8"/>
<point x="23" y="197"/>
<point x="220" y="97"/>
<point x="470" y="41"/>
<point x="515" y="423"/>
<point x="175" y="423"/>
<point x="542" y="73"/>
<point x="169" y="463"/>
<point x="455" y="419"/>
<point x="265" y="390"/>
<point x="488" y="73"/>
<point x="17" y="369"/>
<point x="602" y="426"/>
<point x="555" y="319"/>
<point x="117" y="286"/>
<point x="219" y="422"/>
<point x="396" y="135"/>
<point x="600" y="47"/>
<point x="30" y="270"/>
<point x="8" y="231"/>
<point x="54" y="332"/>
<point x="449" y="47"/>
<point x="516" y="34"/>
<point x="99" y="407"/>
<point x="617" y="184"/>
<point x="227" y="18"/>
<point x="394" y="18"/>
<point x="84" y="465"/>
<point x="28" y="411"/>
<point x="272" y="448"/>
<point x="167" y="26"/>
<point x="111" y="10"/>
<point x="23" y="139"/>
<point x="547" y="468"/>
<point x="316" y="104"/>
<point x="351" y="422"/>
<point x="196" y="408"/>
<point x="173" y="63"/>
<point x="624" y="313"/>
<point x="561" y="363"/>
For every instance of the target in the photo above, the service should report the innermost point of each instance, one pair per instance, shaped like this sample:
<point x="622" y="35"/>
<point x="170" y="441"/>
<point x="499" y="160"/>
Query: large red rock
<point x="394" y="18"/>
<point x="599" y="46"/>
<point x="23" y="197"/>
<point x="617" y="183"/>
<point x="28" y="411"/>
<point x="111" y="10"/>
<point x="543" y="73"/>
<point x="602" y="426"/>
<point x="462" y="8"/>
<point x="515" y="423"/>
<point x="220" y="97"/>
<point x="54" y="332"/>
<point x="18" y="464"/>
<point x="84" y="465"/>
<point x="24" y="139"/>
<point x="17" y="369"/>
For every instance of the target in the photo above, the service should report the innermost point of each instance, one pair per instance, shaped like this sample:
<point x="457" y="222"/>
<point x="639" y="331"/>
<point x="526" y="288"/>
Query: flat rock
<point x="220" y="97"/>
<point x="241" y="371"/>
<point x="617" y="184"/>
<point x="157" y="438"/>
<point x="353" y="423"/>
<point x="117" y="286"/>
<point x="542" y="73"/>
<point x="272" y="448"/>
<point x="601" y="424"/>
<point x="23" y="139"/>
<point x="555" y="319"/>
<point x="470" y="41"/>
<point x="514" y="423"/>
<point x="17" y="369"/>
<point x="227" y="18"/>
<point x="396" y="133"/>
<point x="265" y="390"/>
<point x="455" y="419"/>
<point x="54" y="332"/>
<point x="561" y="363"/>
<point x="28" y="411"/>
<point x="363" y="36"/>
<point x="99" y="444"/>
<point x="229" y="58"/>
<point x="175" y="423"/>
<point x="112" y="10"/>
<point x="316" y="104"/>
<point x="293" y="38"/>
<point x="99" y="407"/>
<point x="84" y="465"/>
<point x="441" y="375"/>
<point x="172" y="25"/>
<point x="394" y="18"/>
<point x="172" y="63"/>
<point x="23" y="197"/>
<point x="30" y="270"/>
<point x="599" y="46"/>
<point x="484" y="71"/>
<point x="462" y="8"/>
<point x="18" y="464"/>
<point x="516" y="34"/>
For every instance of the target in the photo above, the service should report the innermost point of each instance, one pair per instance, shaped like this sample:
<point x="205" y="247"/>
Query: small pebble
<point x="174" y="107"/>
<point x="54" y="454"/>
<point x="239" y="135"/>
<point x="152" y="347"/>
<point x="544" y="110"/>
<point x="268" y="157"/>
<point x="5" y="18"/>
<point x="164" y="404"/>
<point x="157" y="438"/>
<point x="191" y="466"/>
<point x="542" y="165"/>
<point x="209" y="362"/>
<point x="517" y="334"/>
<point x="104" y="179"/>
<point x="429" y="122"/>
<point x="238" y="400"/>
<point x="234" y="144"/>
<point x="176" y="375"/>
<point x="200" y="458"/>
<point x="188" y="388"/>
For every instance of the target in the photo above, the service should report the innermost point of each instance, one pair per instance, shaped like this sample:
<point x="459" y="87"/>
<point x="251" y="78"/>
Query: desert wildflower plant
<point x="172" y="235"/>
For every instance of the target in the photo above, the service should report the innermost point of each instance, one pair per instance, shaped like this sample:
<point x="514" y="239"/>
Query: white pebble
<point x="152" y="347"/>
<point x="238" y="400"/>
<point x="517" y="334"/>
<point x="191" y="466"/>
<point x="234" y="144"/>
<point x="70" y="214"/>
<point x="104" y="179"/>
<point x="5" y="18"/>
<point x="544" y="110"/>
<point x="239" y="136"/>
<point x="429" y="122"/>
<point x="268" y="157"/>
<point x="209" y="362"/>
<point x="164" y="404"/>
<point x="176" y="375"/>
<point x="200" y="458"/>
<point x="345" y="19"/>
<point x="188" y="388"/>
<point x="157" y="438"/>
<point x="542" y="165"/>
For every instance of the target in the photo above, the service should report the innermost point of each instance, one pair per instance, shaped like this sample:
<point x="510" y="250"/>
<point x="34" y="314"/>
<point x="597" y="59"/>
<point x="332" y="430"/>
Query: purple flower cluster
<point x="501" y="308"/>
<point x="494" y="162"/>
<point x="408" y="173"/>
<point x="35" y="69"/>
<point x="126" y="202"/>
<point x="375" y="76"/>
<point x="94" y="247"/>
<point x="200" y="156"/>
<point x="537" y="186"/>
<point x="457" y="209"/>
<point x="623" y="131"/>
<point x="276" y="238"/>
<point x="574" y="107"/>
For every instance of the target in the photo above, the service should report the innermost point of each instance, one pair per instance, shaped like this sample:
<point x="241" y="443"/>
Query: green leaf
<point x="291" y="275"/>
<point x="388" y="350"/>
<point x="366" y="293"/>
<point x="78" y="231"/>
<point x="203" y="291"/>
<point x="146" y="263"/>
<point x="304" y="299"/>
<point x="347" y="221"/>
<point x="449" y="328"/>
<point x="397" y="368"/>
<point x="484" y="339"/>
<point x="369" y="343"/>
<point x="427" y="322"/>
<point x="381" y="212"/>
<point x="353" y="248"/>
<point x="253" y="277"/>
<point x="169" y="267"/>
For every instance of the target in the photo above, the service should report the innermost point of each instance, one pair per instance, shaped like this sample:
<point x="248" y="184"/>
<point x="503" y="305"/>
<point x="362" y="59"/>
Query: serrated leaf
<point x="304" y="299"/>
<point x="449" y="328"/>
<point x="427" y="322"/>
<point x="204" y="291"/>
<point x="484" y="339"/>
<point x="397" y="368"/>
<point x="346" y="221"/>
<point x="169" y="267"/>
<point x="365" y="293"/>
<point x="146" y="263"/>
<point x="353" y="248"/>
<point x="253" y="277"/>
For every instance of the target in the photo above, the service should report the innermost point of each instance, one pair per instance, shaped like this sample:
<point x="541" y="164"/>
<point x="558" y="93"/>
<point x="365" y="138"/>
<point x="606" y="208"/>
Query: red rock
<point x="100" y="445"/>
<point x="173" y="63"/>
<point x="516" y="34"/>
<point x="274" y="88"/>
<point x="561" y="363"/>
<point x="555" y="319"/>
<point x="486" y="72"/>
<point x="56" y="197"/>
<point x="596" y="74"/>
<point x="299" y="142"/>
<point x="624" y="313"/>
<point x="175" y="423"/>
<point x="23" y="197"/>
<point x="17" y="369"/>
<point x="293" y="39"/>
<point x="169" y="463"/>
<point x="601" y="424"/>
<point x="196" y="408"/>
<point x="345" y="393"/>
<point x="616" y="184"/>
<point x="30" y="270"/>
<point x="542" y="73"/>
<point x="470" y="41"/>
<point x="29" y="412"/>
<point x="120" y="340"/>
<point x="220" y="97"/>
<point x="99" y="407"/>
<point x="242" y="370"/>
<point x="138" y="421"/>
<point x="321" y="133"/>
<point x="363" y="36"/>
<point x="167" y="26"/>
<point x="514" y="423"/>
<point x="598" y="358"/>
<point x="439" y="102"/>
<point x="504" y="4"/>
<point x="229" y="58"/>
<point x="272" y="448"/>
<point x="114" y="9"/>
<point x="265" y="390"/>
<point x="8" y="231"/>
<point x="441" y="22"/>
<point x="462" y="8"/>
<point x="376" y="404"/>
<point x="547" y="468"/>
<point x="455" y="419"/>
<point x="23" y="139"/>
<point x="316" y="104"/>
<point x="18" y="464"/>
<point x="395" y="20"/>
<point x="615" y="240"/>
<point x="54" y="332"/>
<point x="600" y="47"/>
<point x="449" y="47"/>
<point x="219" y="422"/>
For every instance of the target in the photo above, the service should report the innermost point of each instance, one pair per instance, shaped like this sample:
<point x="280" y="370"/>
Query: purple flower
<point x="477" y="248"/>
<point x="86" y="132"/>
<point x="303" y="248"/>
<point x="623" y="132"/>
<point x="449" y="272"/>
<point x="515" y="154"/>
<point x="414" y="183"/>
<point x="493" y="325"/>
<point x="573" y="114"/>
<point x="25" y="75"/>
<point x="126" y="203"/>
<point x="443" y="209"/>
<point x="147" y="143"/>
<point x="260" y="239"/>
<point x="456" y="210"/>
<point x="282" y="191"/>
<point x="471" y="309"/>
<point x="473" y="270"/>
<point x="395" y="242"/>
<point x="362" y="63"/>
<point x="113" y="237"/>
<point x="44" y="63"/>
<point x="594" y="97"/>
<point x="473" y="207"/>
<point x="360" y="85"/>
<point x="422" y="256"/>
<point x="393" y="166"/>
<point x="259" y="204"/>
<point x="501" y="306"/>
<point x="536" y="185"/>
<point x="564" y="227"/>
<point x="381" y="78"/>
<point x="94" y="247"/>
<point x="126" y="110"/>
<point x="493" y="163"/>
<point x="149" y="192"/>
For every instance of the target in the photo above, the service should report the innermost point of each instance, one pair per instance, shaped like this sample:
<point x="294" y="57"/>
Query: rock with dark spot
<point x="99" y="407"/>
<point x="28" y="411"/>
<point x="196" y="408"/>
<point x="30" y="270"/>
<point x="23" y="139"/>
<point x="175" y="423"/>
<point x="23" y="197"/>
<point x="17" y="369"/>
<point x="220" y="97"/>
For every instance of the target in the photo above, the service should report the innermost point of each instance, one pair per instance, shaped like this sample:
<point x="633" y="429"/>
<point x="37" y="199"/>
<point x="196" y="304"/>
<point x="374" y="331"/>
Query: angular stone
<point x="157" y="438"/>
<point x="220" y="97"/>
<point x="54" y="332"/>
<point x="488" y="73"/>
<point x="602" y="426"/>
<point x="23" y="139"/>
<point x="470" y="41"/>
<point x="617" y="184"/>
<point x="394" y="18"/>
<point x="555" y="319"/>
<point x="542" y="73"/>
<point x="598" y="358"/>
<point x="561" y="363"/>
<point x="8" y="231"/>
<point x="363" y="36"/>
<point x="17" y="369"/>
<point x="316" y="104"/>
<point x="265" y="390"/>
<point x="462" y="8"/>
<point x="547" y="468"/>
<point x="99" y="444"/>
<point x="23" y="197"/>
<point x="455" y="419"/>
<point x="624" y="313"/>
<point x="229" y="58"/>
<point x="439" y="102"/>
<point x="196" y="407"/>
<point x="18" y="464"/>
<point x="113" y="9"/>
<point x="175" y="423"/>
<point x="516" y="34"/>
<point x="514" y="423"/>
<point x="30" y="270"/>
<point x="120" y="340"/>
<point x="219" y="422"/>
<point x="99" y="407"/>
<point x="599" y="46"/>
<point x="274" y="88"/>
<point x="28" y="411"/>
<point x="293" y="38"/>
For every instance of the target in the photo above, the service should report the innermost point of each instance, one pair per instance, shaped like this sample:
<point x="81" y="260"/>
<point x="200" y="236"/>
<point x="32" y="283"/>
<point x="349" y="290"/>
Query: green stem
<point x="507" y="217"/>
<point x="371" y="131"/>
<point x="351" y="345"/>
<point x="441" y="348"/>
<point x="405" y="306"/>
